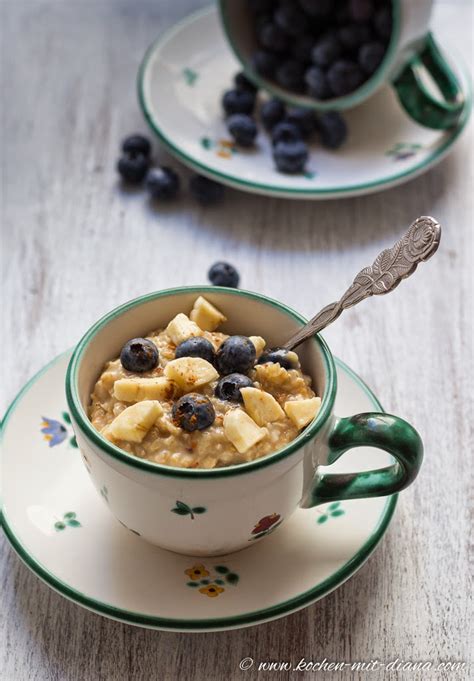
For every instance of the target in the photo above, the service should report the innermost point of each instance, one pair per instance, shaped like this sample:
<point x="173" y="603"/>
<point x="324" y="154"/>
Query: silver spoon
<point x="392" y="265"/>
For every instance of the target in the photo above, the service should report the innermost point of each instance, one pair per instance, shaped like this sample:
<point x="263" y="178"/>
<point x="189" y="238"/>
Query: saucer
<point x="63" y="531"/>
<point x="180" y="84"/>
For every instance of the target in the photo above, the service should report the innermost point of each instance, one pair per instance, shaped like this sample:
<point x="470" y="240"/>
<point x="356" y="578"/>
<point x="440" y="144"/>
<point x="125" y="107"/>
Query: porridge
<point x="193" y="397"/>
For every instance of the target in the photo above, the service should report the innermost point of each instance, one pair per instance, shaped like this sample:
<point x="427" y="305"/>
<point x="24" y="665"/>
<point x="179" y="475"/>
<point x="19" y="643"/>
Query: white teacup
<point x="242" y="502"/>
<point x="412" y="54"/>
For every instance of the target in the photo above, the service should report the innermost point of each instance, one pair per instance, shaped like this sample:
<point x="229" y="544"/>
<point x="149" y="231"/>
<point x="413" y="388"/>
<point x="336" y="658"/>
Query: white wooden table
<point x="74" y="246"/>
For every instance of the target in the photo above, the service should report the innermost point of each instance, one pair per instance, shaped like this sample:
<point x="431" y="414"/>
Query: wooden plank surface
<point x="74" y="246"/>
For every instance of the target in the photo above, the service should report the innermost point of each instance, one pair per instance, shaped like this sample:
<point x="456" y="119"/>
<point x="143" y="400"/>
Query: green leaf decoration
<point x="335" y="514"/>
<point x="206" y="143"/>
<point x="334" y="505"/>
<point x="73" y="442"/>
<point x="193" y="584"/>
<point x="322" y="519"/>
<point x="59" y="525"/>
<point x="179" y="511"/>
<point x="73" y="523"/>
<point x="232" y="578"/>
<point x="66" y="417"/>
<point x="69" y="515"/>
<point x="219" y="581"/>
<point x="199" y="509"/>
<point x="221" y="569"/>
<point x="205" y="581"/>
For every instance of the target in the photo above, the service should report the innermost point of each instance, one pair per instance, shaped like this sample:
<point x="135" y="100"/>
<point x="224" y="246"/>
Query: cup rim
<point x="83" y="423"/>
<point x="354" y="98"/>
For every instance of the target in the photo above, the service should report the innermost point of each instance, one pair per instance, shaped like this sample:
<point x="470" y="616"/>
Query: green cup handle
<point x="372" y="429"/>
<point x="417" y="101"/>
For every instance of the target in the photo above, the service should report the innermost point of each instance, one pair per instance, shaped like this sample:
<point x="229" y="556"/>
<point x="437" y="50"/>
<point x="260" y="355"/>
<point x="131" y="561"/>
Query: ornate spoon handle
<point x="392" y="265"/>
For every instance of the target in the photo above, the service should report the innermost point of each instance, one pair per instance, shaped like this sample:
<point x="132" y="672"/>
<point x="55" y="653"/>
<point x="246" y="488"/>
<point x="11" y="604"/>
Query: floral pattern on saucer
<point x="210" y="581"/>
<point x="55" y="432"/>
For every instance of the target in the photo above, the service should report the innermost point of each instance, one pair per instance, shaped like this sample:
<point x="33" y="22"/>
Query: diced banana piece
<point x="138" y="389"/>
<point x="134" y="422"/>
<point x="205" y="315"/>
<point x="261" y="406"/>
<point x="241" y="430"/>
<point x="259" y="344"/>
<point x="181" y="328"/>
<point x="301" y="412"/>
<point x="190" y="372"/>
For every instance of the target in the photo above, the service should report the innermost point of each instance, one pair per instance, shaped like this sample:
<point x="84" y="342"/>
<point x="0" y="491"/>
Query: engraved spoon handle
<point x="392" y="265"/>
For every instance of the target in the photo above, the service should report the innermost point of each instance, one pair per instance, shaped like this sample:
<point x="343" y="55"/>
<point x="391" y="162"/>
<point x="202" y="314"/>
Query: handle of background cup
<point x="417" y="101"/>
<point x="372" y="429"/>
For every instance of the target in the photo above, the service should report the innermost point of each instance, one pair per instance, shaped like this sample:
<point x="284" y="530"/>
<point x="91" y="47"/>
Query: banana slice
<point x="205" y="315"/>
<point x="190" y="372"/>
<point x="138" y="389"/>
<point x="259" y="344"/>
<point x="261" y="406"/>
<point x="134" y="422"/>
<point x="181" y="328"/>
<point x="241" y="430"/>
<point x="301" y="412"/>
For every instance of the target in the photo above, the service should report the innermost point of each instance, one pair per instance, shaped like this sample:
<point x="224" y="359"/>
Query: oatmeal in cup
<point x="201" y="429"/>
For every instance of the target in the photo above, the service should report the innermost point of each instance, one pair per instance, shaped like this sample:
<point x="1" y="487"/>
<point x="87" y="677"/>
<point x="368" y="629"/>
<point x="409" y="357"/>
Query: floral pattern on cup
<point x="210" y="581"/>
<point x="183" y="509"/>
<point x="68" y="520"/>
<point x="266" y="525"/>
<point x="55" y="432"/>
<point x="334" y="510"/>
<point x="403" y="150"/>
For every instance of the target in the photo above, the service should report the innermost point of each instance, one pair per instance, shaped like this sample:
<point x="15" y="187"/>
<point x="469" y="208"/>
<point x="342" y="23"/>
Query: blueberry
<point x="258" y="6"/>
<point x="317" y="8"/>
<point x="196" y="346"/>
<point x="302" y="48"/>
<point x="272" y="112"/>
<point x="286" y="132"/>
<point x="273" y="38"/>
<point x="223" y="274"/>
<point x="238" y="101"/>
<point x="370" y="57"/>
<point x="235" y="355"/>
<point x="193" y="412"/>
<point x="317" y="83"/>
<point x="291" y="19"/>
<point x="243" y="129"/>
<point x="344" y="77"/>
<point x="228" y="388"/>
<point x="277" y="356"/>
<point x="243" y="83"/>
<point x="352" y="36"/>
<point x="133" y="167"/>
<point x="136" y="144"/>
<point x="205" y="190"/>
<point x="290" y="75"/>
<point x="326" y="50"/>
<point x="361" y="10"/>
<point x="265" y="63"/>
<point x="139" y="354"/>
<point x="303" y="119"/>
<point x="332" y="129"/>
<point x="383" y="22"/>
<point x="162" y="183"/>
<point x="290" y="157"/>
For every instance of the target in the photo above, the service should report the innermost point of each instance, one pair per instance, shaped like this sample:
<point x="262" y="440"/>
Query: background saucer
<point x="180" y="84"/>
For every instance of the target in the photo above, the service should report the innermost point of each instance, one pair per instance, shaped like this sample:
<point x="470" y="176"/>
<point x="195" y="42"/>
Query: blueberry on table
<point x="243" y="129"/>
<point x="291" y="19"/>
<point x="196" y="346"/>
<point x="326" y="50"/>
<point x="370" y="56"/>
<point x="228" y="387"/>
<point x="139" y="355"/>
<point x="290" y="75"/>
<point x="317" y="83"/>
<point x="304" y="119"/>
<point x="344" y="76"/>
<point x="132" y="168"/>
<point x="277" y="356"/>
<point x="136" y="144"/>
<point x="205" y="190"/>
<point x="352" y="36"/>
<point x="238" y="101"/>
<point x="162" y="183"/>
<point x="332" y="129"/>
<point x="223" y="274"/>
<point x="243" y="83"/>
<point x="193" y="412"/>
<point x="286" y="132"/>
<point x="236" y="355"/>
<point x="290" y="157"/>
<point x="265" y="63"/>
<point x="273" y="38"/>
<point x="272" y="112"/>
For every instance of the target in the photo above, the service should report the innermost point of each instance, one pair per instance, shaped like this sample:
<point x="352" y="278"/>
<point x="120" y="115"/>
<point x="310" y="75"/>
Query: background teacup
<point x="412" y="60"/>
<point x="237" y="504"/>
